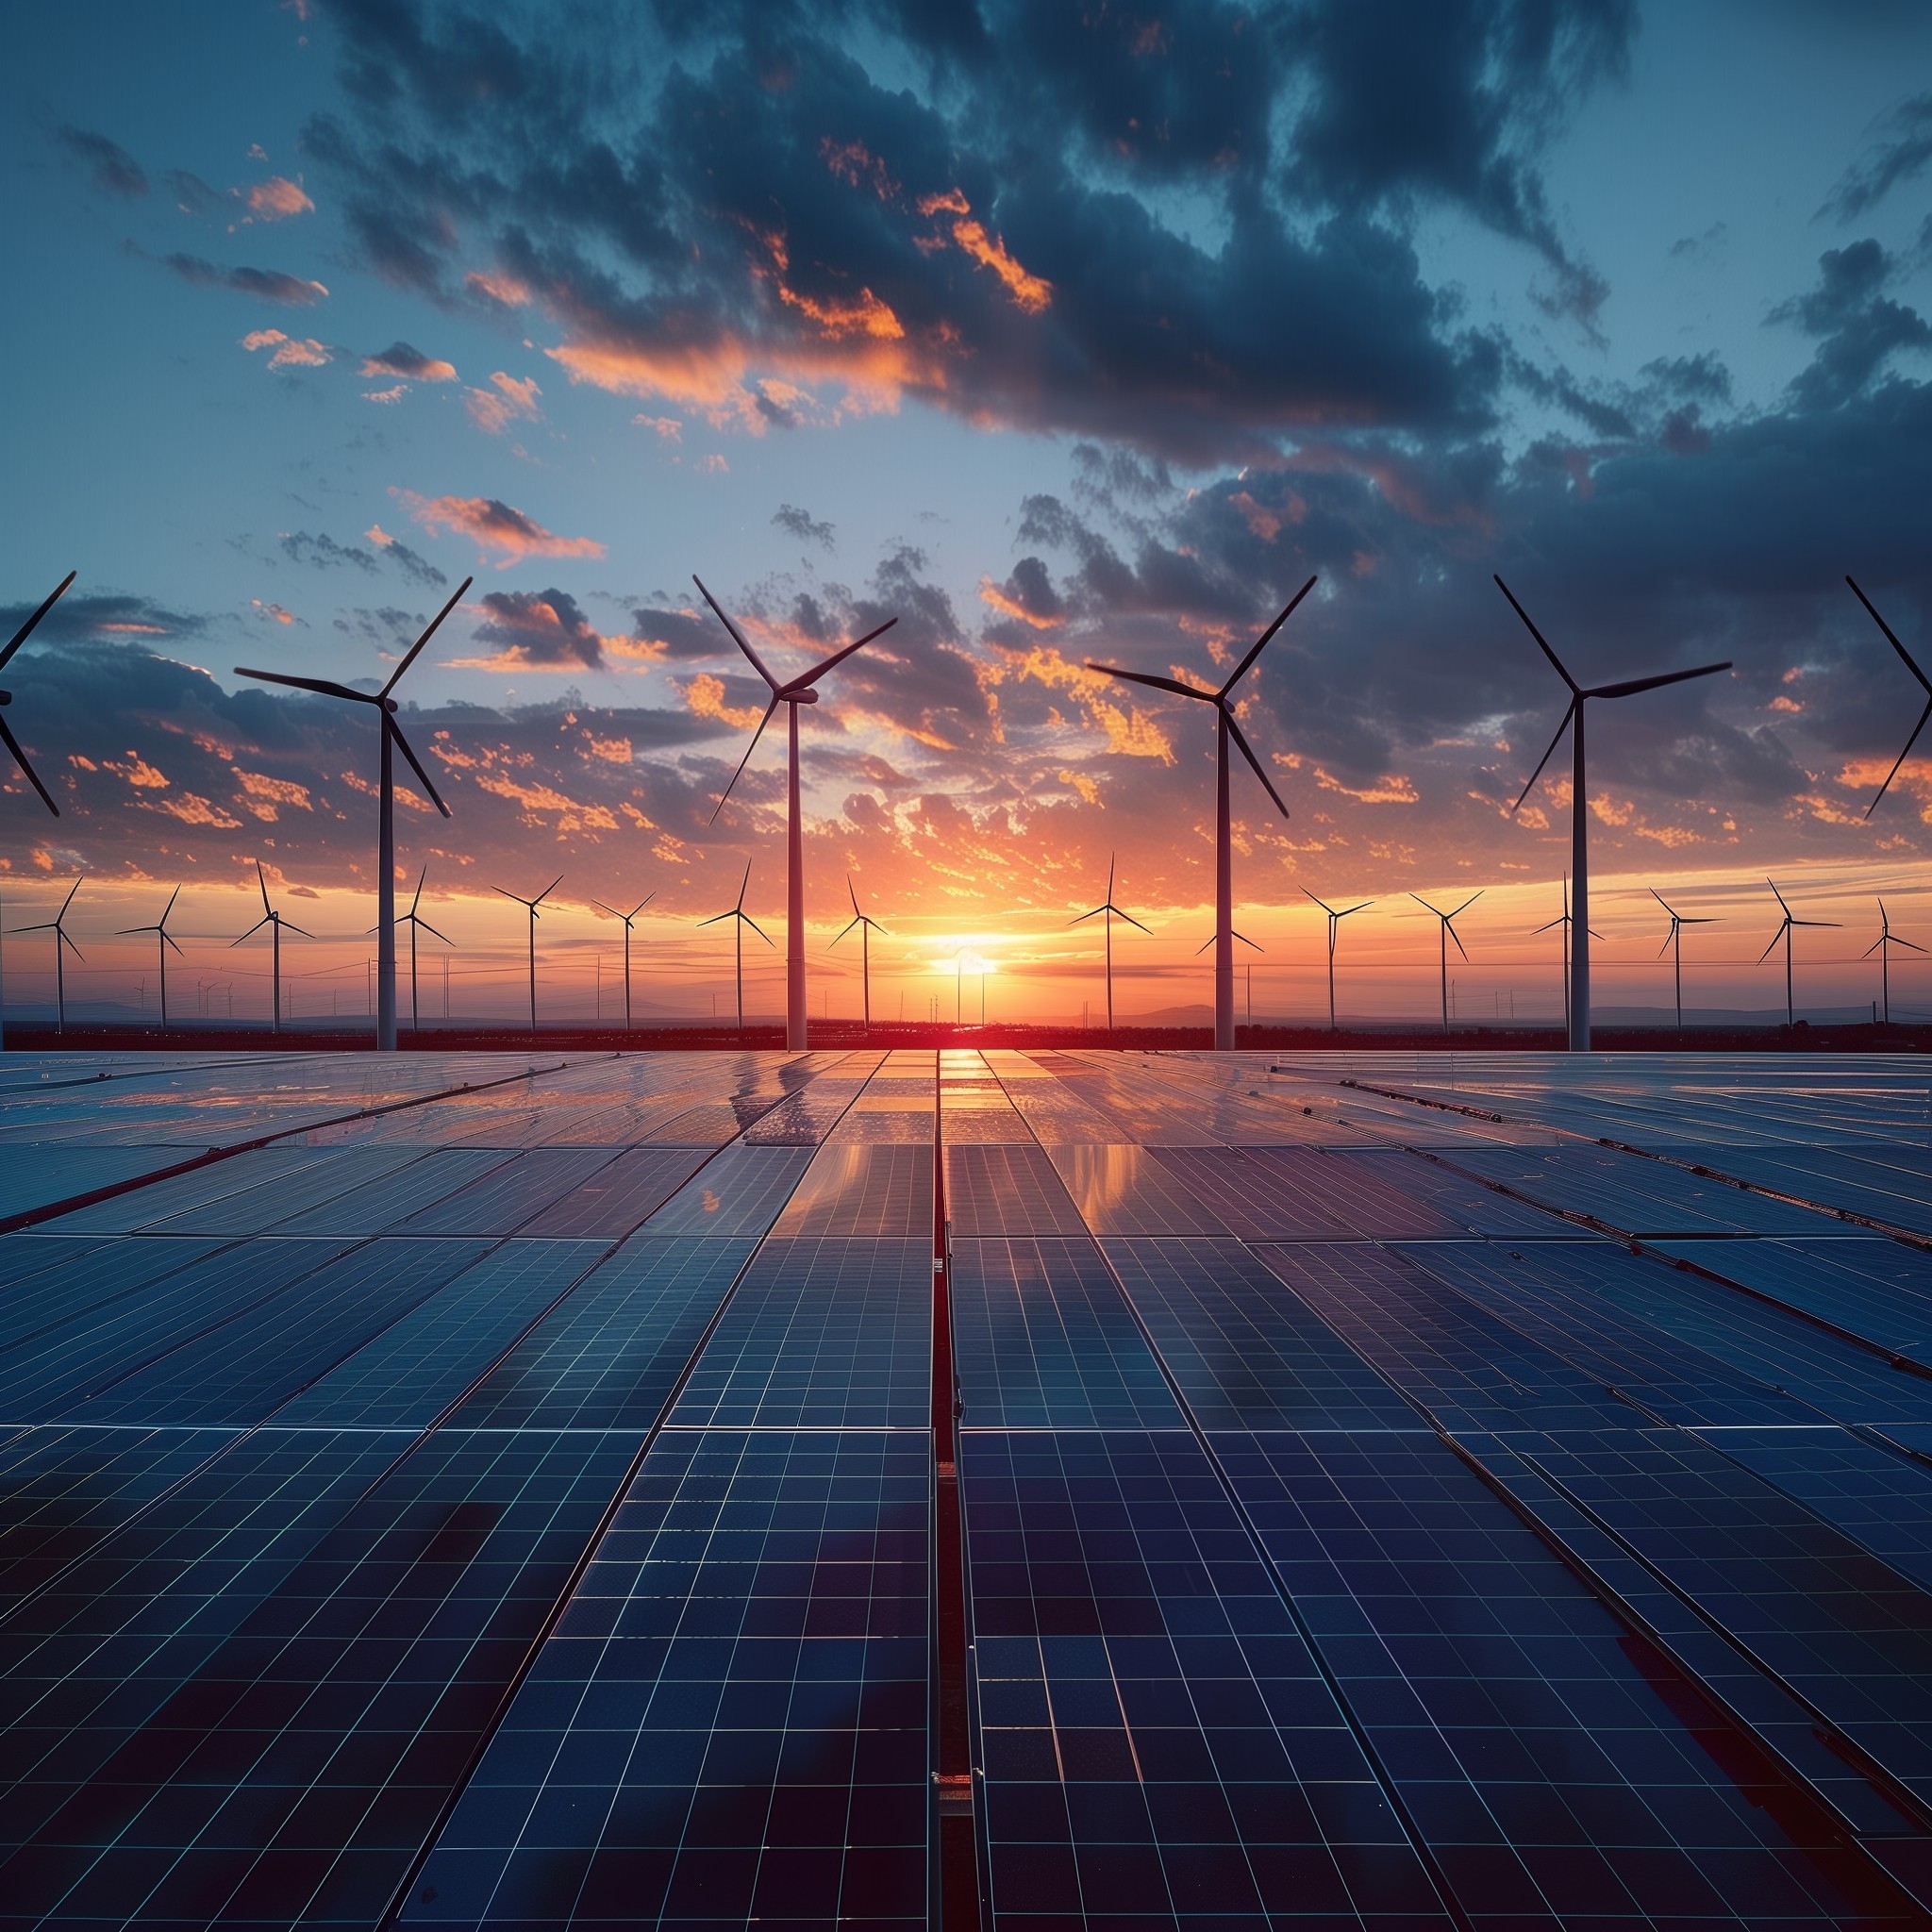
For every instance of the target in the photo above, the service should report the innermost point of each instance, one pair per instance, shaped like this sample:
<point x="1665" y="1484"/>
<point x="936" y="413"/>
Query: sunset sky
<point x="1056" y="331"/>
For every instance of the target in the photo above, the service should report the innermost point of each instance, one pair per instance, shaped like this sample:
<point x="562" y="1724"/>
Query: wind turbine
<point x="1447" y="933"/>
<point x="386" y="808"/>
<point x="274" y="922"/>
<point x="57" y="927"/>
<point x="1673" y="942"/>
<point x="1882" y="945"/>
<point x="865" y="925"/>
<point x="799" y="690"/>
<point x="530" y="906"/>
<point x="629" y="918"/>
<point x="163" y="940"/>
<point x="1108" y="911"/>
<point x="414" y="920"/>
<point x="1912" y="665"/>
<point x="742" y="920"/>
<point x="1224" y="728"/>
<point x="1335" y="919"/>
<point x="1579" y="807"/>
<point x="19" y="638"/>
<point x="1784" y="933"/>
<point x="1564" y="921"/>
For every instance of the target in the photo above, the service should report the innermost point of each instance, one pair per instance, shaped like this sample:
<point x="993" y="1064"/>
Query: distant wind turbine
<point x="740" y="918"/>
<point x="163" y="940"/>
<point x="1224" y="728"/>
<point x="865" y="927"/>
<point x="530" y="906"/>
<point x="1673" y="943"/>
<point x="1784" y="933"/>
<point x="1912" y="665"/>
<point x="274" y="922"/>
<point x="1565" y="922"/>
<point x="12" y="743"/>
<point x="1579" y="806"/>
<point x="1447" y="933"/>
<point x="799" y="690"/>
<point x="386" y="808"/>
<point x="629" y="919"/>
<point x="1109" y="911"/>
<point x="1335" y="919"/>
<point x="415" y="922"/>
<point x="1882" y="945"/>
<point x="62" y="938"/>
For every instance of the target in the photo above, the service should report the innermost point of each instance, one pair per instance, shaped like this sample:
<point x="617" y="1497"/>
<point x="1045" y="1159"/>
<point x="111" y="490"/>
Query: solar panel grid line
<point x="78" y="1283"/>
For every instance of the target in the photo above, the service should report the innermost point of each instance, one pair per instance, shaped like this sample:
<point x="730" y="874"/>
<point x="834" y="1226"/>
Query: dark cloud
<point x="402" y="359"/>
<point x="539" y="629"/>
<point x="270" y="285"/>
<point x="1900" y="155"/>
<point x="324" y="553"/>
<point x="110" y="166"/>
<point x="777" y="222"/>
<point x="1858" y="327"/>
<point x="682" y="634"/>
<point x="193" y="195"/>
<point x="81" y="614"/>
<point x="803" y="525"/>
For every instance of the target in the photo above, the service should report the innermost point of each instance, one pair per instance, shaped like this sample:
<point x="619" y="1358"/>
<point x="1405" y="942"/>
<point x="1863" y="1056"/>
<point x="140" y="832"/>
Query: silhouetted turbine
<point x="1564" y="921"/>
<point x="629" y="919"/>
<point x="865" y="926"/>
<point x="1924" y="683"/>
<point x="1447" y="933"/>
<point x="1224" y="728"/>
<point x="741" y="919"/>
<point x="1882" y="945"/>
<point x="1784" y="933"/>
<point x="12" y="743"/>
<point x="1673" y="943"/>
<point x="1108" y="909"/>
<point x="1579" y="806"/>
<point x="413" y="920"/>
<point x="530" y="906"/>
<point x="799" y="690"/>
<point x="1335" y="919"/>
<point x="386" y="807"/>
<point x="163" y="940"/>
<point x="274" y="922"/>
<point x="57" y="927"/>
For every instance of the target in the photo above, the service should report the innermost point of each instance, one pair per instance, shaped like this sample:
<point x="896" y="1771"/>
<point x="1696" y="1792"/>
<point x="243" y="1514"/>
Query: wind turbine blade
<point x="71" y="891"/>
<point x="168" y="939"/>
<point x="63" y="938"/>
<point x="250" y="933"/>
<point x="1773" y="947"/>
<point x="1131" y="921"/>
<point x="1363" y="908"/>
<point x="33" y="777"/>
<point x="410" y="656"/>
<point x="169" y="906"/>
<point x="1911" y="663"/>
<point x="26" y="630"/>
<point x="1546" y="756"/>
<point x="1889" y="777"/>
<point x="841" y="932"/>
<point x="508" y="894"/>
<point x="1879" y="941"/>
<point x="1467" y="904"/>
<point x="1322" y="903"/>
<point x="1660" y="899"/>
<point x="1245" y="940"/>
<point x="1240" y="670"/>
<point x="1153" y="683"/>
<point x="1086" y="916"/>
<point x="738" y="636"/>
<point x="325" y="686"/>
<point x="743" y="887"/>
<point x="296" y="930"/>
<point x="1255" y="763"/>
<point x="547" y="891"/>
<point x="1666" y="946"/>
<point x="641" y="903"/>
<point x="1705" y="919"/>
<point x="416" y="897"/>
<point x="402" y="744"/>
<point x="1574" y="690"/>
<point x="1205" y="943"/>
<point x="1457" y="937"/>
<point x="743" y="762"/>
<point x="1550" y="925"/>
<point x="1834" y="924"/>
<point x="1910" y="945"/>
<point x="851" y="892"/>
<point x="755" y="925"/>
<point x="434" y="934"/>
<point x="717" y="916"/>
<point x="818" y="670"/>
<point x="261" y="880"/>
<point x="602" y="907"/>
<point x="1423" y="902"/>
<point x="1630" y="686"/>
<point x="875" y="926"/>
<point x="1780" y="898"/>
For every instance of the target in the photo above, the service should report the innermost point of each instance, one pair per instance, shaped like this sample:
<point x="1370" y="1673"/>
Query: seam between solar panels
<point x="400" y="1897"/>
<point x="1425" y="1852"/>
<point x="32" y="1217"/>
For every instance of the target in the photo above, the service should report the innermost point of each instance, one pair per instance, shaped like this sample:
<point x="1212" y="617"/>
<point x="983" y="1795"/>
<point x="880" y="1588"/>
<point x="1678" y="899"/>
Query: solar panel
<point x="617" y="1197"/>
<point x="883" y="1192"/>
<point x="737" y="1193"/>
<point x="501" y="1200"/>
<point x="1007" y="1190"/>
<point x="1127" y="1190"/>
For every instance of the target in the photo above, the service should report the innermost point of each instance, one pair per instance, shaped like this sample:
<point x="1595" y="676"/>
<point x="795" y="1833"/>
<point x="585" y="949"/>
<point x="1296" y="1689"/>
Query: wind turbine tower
<point x="1882" y="945"/>
<point x="1784" y="933"/>
<point x="630" y="920"/>
<point x="740" y="918"/>
<point x="1447" y="932"/>
<point x="801" y="689"/>
<point x="865" y="927"/>
<point x="163" y="940"/>
<point x="1224" y="728"/>
<point x="1335" y="919"/>
<point x="530" y="906"/>
<point x="1109" y="911"/>
<point x="1674" y="945"/>
<point x="63" y="942"/>
<point x="274" y="922"/>
<point x="1579" y="802"/>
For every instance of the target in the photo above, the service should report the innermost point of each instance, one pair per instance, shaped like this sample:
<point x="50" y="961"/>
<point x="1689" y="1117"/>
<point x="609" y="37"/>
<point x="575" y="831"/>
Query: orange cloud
<point x="991" y="595"/>
<point x="1029" y="292"/>
<point x="1128" y="733"/>
<point x="192" y="809"/>
<point x="505" y="290"/>
<point x="274" y="611"/>
<point x="291" y="352"/>
<point x="1390" y="789"/>
<point x="264" y="796"/>
<point x="492" y="411"/>
<point x="705" y="694"/>
<point x="572" y="817"/>
<point x="493" y="525"/>
<point x="1914" y="779"/>
<point x="139" y="773"/>
<point x="276" y="200"/>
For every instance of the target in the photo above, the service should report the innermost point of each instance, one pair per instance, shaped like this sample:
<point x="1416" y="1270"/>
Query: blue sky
<point x="1054" y="332"/>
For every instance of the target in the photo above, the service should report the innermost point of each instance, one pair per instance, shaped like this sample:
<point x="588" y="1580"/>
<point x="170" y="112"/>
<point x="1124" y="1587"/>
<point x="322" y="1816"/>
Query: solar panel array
<point x="1476" y="1491"/>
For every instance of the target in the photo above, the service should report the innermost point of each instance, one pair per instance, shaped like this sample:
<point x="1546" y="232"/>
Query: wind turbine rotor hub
<point x="803" y="697"/>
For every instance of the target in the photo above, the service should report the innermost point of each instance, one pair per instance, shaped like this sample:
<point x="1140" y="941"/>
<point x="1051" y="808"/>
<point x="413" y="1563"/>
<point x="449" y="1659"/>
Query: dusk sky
<point x="1056" y="331"/>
